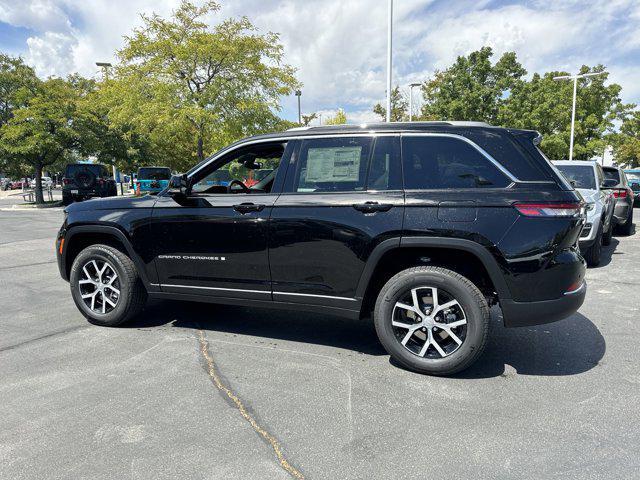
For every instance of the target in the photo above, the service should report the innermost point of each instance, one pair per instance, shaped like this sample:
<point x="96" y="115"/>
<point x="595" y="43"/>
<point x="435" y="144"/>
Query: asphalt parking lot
<point x="211" y="392"/>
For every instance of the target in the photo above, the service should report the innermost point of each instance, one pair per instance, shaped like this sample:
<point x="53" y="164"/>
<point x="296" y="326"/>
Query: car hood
<point x="113" y="203"/>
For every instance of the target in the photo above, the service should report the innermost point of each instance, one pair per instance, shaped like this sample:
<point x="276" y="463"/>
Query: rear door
<point x="343" y="196"/>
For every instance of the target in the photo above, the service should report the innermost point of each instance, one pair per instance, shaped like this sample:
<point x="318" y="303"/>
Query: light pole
<point x="573" y="107"/>
<point x="411" y="85"/>
<point x="389" y="59"/>
<point x="105" y="68"/>
<point x="299" y="94"/>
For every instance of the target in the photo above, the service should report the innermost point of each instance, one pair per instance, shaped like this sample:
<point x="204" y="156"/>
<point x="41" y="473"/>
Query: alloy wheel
<point x="429" y="322"/>
<point x="99" y="286"/>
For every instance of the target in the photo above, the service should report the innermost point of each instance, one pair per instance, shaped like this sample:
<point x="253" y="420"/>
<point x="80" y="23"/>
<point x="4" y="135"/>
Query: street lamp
<point x="411" y="85"/>
<point x="389" y="60"/>
<point x="299" y="94"/>
<point x="573" y="108"/>
<point x="105" y="68"/>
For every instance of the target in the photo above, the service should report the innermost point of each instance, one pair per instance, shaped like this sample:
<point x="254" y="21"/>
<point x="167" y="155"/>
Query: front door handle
<point x="248" y="207"/>
<point x="371" y="207"/>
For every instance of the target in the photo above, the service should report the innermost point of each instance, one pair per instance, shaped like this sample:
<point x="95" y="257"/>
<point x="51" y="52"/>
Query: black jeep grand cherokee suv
<point x="425" y="225"/>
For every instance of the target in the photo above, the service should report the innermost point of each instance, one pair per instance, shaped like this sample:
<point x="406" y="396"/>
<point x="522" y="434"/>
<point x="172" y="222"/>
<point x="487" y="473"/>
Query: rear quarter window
<point x="511" y="154"/>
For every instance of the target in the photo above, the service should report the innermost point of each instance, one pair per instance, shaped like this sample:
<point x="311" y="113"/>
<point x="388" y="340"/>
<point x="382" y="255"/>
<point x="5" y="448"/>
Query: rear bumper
<point x="522" y="314"/>
<point x="621" y="211"/>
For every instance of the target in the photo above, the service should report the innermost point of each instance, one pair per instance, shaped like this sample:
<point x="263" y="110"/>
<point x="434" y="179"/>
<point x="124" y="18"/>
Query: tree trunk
<point x="200" y="148"/>
<point x="38" y="189"/>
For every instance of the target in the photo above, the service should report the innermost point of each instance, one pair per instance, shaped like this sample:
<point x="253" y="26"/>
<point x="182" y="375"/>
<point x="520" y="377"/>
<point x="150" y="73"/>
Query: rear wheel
<point x="67" y="199"/>
<point x="608" y="235"/>
<point x="432" y="320"/>
<point x="594" y="252"/>
<point x="105" y="286"/>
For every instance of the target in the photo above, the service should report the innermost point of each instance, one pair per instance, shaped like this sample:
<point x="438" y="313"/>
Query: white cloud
<point x="339" y="47"/>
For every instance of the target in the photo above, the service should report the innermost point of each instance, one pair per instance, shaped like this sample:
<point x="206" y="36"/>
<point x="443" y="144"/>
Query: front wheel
<point x="105" y="286"/>
<point x="432" y="320"/>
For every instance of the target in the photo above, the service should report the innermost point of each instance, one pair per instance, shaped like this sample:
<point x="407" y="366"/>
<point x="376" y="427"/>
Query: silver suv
<point x="589" y="179"/>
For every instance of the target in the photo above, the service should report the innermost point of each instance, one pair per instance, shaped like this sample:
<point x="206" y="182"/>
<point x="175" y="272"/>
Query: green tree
<point x="399" y="107"/>
<point x="544" y="105"/>
<point x="626" y="142"/>
<point x="339" y="118"/>
<point x="192" y="88"/>
<point x="43" y="131"/>
<point x="472" y="88"/>
<point x="307" y="119"/>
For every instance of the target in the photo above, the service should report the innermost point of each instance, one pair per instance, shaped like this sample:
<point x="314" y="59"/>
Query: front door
<point x="214" y="241"/>
<point x="342" y="197"/>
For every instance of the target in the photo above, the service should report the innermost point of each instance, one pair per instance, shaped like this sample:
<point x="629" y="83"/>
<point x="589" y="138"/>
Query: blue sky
<point x="339" y="46"/>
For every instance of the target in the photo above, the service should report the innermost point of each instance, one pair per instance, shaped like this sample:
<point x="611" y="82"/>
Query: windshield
<point x="633" y="175"/>
<point x="582" y="176"/>
<point x="154" y="174"/>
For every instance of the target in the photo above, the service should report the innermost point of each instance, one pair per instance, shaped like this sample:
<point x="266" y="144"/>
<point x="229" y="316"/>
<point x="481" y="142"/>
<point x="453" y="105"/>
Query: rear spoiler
<point x="531" y="135"/>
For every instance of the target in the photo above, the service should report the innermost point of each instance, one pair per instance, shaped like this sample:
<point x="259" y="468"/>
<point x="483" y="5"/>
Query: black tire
<point x="627" y="228"/>
<point x="132" y="296"/>
<point x="608" y="235"/>
<point x="594" y="252"/>
<point x="67" y="199"/>
<point x="471" y="301"/>
<point x="85" y="179"/>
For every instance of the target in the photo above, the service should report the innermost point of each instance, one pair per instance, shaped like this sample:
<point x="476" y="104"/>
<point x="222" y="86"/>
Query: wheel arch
<point x="402" y="252"/>
<point x="79" y="237"/>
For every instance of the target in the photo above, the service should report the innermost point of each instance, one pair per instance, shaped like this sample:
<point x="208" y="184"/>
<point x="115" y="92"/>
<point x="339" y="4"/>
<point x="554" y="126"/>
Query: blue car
<point x="633" y="178"/>
<point x="153" y="179"/>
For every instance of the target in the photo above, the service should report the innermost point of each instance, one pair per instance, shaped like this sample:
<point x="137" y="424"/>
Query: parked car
<point x="46" y="182"/>
<point x="623" y="194"/>
<point x="86" y="180"/>
<point x="5" y="183"/>
<point x="153" y="179"/>
<point x="633" y="178"/>
<point x="589" y="180"/>
<point x="19" y="184"/>
<point x="423" y="225"/>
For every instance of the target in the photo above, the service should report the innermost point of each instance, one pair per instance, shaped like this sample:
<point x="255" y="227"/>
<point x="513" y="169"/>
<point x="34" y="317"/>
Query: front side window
<point x="433" y="162"/>
<point x="580" y="176"/>
<point x="250" y="169"/>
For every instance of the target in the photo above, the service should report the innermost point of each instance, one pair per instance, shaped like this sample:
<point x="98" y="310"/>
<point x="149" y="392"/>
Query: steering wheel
<point x="235" y="181"/>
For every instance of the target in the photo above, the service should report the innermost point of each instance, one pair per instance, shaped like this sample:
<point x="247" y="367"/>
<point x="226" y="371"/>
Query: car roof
<point x="588" y="163"/>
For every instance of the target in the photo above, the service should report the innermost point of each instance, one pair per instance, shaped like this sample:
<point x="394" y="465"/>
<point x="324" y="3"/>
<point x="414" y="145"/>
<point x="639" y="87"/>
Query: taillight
<point x="100" y="181"/>
<point x="620" y="193"/>
<point x="66" y="181"/>
<point x="549" y="209"/>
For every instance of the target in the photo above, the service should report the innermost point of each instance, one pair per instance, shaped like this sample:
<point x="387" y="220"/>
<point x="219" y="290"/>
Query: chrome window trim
<point x="483" y="152"/>
<point x="315" y="295"/>
<point x="268" y="292"/>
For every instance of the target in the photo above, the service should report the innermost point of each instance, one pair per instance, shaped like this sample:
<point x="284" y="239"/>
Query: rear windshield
<point x="154" y="174"/>
<point x="74" y="169"/>
<point x="582" y="176"/>
<point x="611" y="174"/>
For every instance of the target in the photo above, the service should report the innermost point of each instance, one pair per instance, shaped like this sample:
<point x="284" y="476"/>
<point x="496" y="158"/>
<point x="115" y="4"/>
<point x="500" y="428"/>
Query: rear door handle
<point x="248" y="207"/>
<point x="371" y="207"/>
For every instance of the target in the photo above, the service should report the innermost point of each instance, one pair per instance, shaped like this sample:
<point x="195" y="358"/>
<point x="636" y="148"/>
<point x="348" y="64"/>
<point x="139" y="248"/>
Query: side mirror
<point x="609" y="183"/>
<point x="179" y="184"/>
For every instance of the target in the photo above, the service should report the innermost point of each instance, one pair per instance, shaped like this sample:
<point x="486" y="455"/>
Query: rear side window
<point x="333" y="164"/>
<point x="580" y="176"/>
<point x="433" y="162"/>
<point x="511" y="154"/>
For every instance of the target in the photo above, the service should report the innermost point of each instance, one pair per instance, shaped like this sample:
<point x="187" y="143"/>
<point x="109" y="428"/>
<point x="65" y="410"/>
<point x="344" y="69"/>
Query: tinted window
<point x="75" y="168"/>
<point x="332" y="165"/>
<point x="611" y="174"/>
<point x="384" y="170"/>
<point x="582" y="176"/>
<point x="444" y="162"/>
<point x="154" y="174"/>
<point x="511" y="154"/>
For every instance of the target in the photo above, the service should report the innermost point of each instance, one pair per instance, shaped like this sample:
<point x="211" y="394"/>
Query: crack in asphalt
<point x="27" y="265"/>
<point x="215" y="378"/>
<point x="44" y="337"/>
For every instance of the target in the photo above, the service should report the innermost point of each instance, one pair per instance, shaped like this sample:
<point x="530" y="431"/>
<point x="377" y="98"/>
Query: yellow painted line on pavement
<point x="213" y="373"/>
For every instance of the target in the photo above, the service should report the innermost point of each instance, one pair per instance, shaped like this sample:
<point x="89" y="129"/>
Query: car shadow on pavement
<point x="304" y="327"/>
<point x="568" y="347"/>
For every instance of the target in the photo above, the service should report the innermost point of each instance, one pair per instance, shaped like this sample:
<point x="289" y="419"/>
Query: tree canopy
<point x="193" y="88"/>
<point x="399" y="107"/>
<point x="339" y="118"/>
